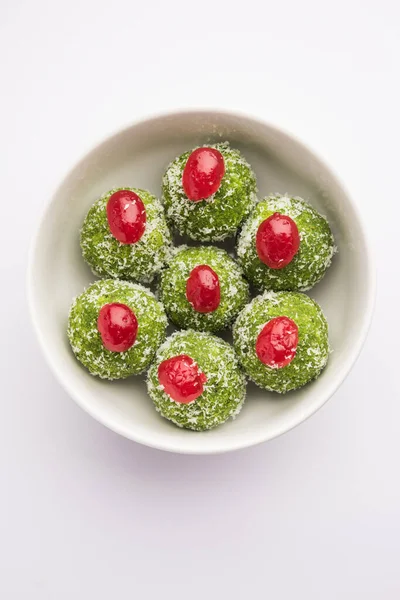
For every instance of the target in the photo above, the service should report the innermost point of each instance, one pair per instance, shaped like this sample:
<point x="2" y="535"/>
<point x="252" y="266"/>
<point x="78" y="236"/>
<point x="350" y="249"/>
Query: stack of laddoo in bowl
<point x="283" y="247"/>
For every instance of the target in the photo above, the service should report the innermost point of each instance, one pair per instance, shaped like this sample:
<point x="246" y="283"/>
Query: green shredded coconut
<point x="234" y="289"/>
<point x="85" y="338"/>
<point x="311" y="261"/>
<point x="219" y="216"/>
<point x="110" y="258"/>
<point x="312" y="350"/>
<point x="224" y="390"/>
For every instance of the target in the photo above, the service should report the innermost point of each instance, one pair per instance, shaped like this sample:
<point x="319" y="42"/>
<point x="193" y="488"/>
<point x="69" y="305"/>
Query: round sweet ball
<point x="196" y="381"/>
<point x="281" y="339"/>
<point x="285" y="245"/>
<point x="125" y="236"/>
<point x="115" y="328"/>
<point x="208" y="192"/>
<point x="203" y="289"/>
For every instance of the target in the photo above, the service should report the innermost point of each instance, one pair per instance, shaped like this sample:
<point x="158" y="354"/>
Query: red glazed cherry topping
<point x="277" y="241"/>
<point x="203" y="173"/>
<point x="181" y="379"/>
<point x="118" y="327"/>
<point x="202" y="289"/>
<point x="276" y="344"/>
<point x="126" y="216"/>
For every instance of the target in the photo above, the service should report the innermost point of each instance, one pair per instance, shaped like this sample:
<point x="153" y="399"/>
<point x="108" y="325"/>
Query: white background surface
<point x="84" y="514"/>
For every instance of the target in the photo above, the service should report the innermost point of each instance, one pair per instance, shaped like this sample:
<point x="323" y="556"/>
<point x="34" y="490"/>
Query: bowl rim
<point x="259" y="437"/>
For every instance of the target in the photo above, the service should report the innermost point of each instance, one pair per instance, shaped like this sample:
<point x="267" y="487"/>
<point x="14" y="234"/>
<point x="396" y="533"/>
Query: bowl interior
<point x="138" y="156"/>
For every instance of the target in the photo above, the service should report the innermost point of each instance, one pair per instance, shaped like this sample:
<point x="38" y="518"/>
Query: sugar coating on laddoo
<point x="224" y="389"/>
<point x="310" y="262"/>
<point x="220" y="215"/>
<point x="85" y="338"/>
<point x="234" y="289"/>
<point x="108" y="257"/>
<point x="312" y="350"/>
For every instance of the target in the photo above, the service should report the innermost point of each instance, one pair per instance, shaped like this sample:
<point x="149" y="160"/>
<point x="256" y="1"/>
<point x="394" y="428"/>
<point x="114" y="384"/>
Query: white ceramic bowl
<point x="137" y="156"/>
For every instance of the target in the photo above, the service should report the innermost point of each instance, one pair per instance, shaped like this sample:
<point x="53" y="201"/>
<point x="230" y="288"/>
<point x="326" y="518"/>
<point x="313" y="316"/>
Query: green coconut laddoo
<point x="218" y="216"/>
<point x="90" y="322"/>
<point x="196" y="381"/>
<point x="281" y="339"/>
<point x="315" y="250"/>
<point x="203" y="289"/>
<point x="140" y="260"/>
